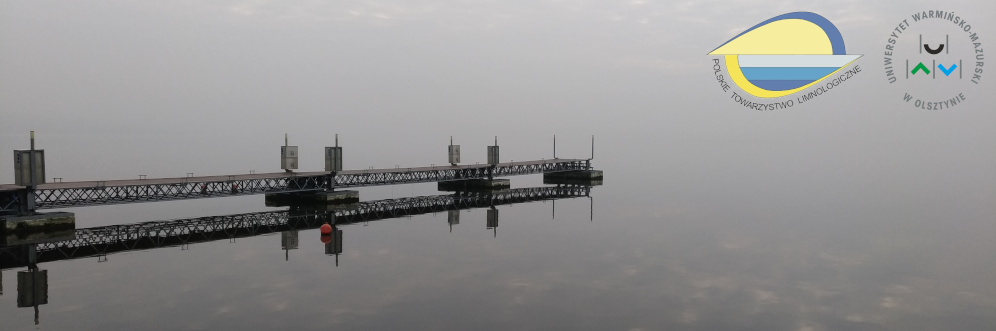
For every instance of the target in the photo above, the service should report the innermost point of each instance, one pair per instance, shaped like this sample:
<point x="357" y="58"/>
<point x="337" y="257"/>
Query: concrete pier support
<point x="38" y="228"/>
<point x="576" y="177"/>
<point x="474" y="185"/>
<point x="318" y="197"/>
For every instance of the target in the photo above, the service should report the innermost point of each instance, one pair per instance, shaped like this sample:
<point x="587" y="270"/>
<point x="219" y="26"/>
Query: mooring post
<point x="453" y="153"/>
<point x="333" y="163"/>
<point x="492" y="159"/>
<point x="288" y="156"/>
<point x="27" y="196"/>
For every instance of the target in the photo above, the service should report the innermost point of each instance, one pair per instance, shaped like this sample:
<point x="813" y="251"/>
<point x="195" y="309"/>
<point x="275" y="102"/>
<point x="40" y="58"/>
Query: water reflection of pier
<point x="101" y="241"/>
<point x="32" y="284"/>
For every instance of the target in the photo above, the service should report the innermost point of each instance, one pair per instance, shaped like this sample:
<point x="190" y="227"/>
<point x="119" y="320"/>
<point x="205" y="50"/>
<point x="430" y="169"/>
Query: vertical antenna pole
<point x="31" y="164"/>
<point x="592" y="146"/>
<point x="554" y="146"/>
<point x="285" y="140"/>
<point x="336" y="140"/>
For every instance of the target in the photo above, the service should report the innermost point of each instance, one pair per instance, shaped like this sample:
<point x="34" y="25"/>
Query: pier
<point x="31" y="234"/>
<point x="92" y="193"/>
<point x="32" y="192"/>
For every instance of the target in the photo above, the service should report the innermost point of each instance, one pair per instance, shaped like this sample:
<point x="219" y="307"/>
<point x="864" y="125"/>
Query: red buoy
<point x="326" y="228"/>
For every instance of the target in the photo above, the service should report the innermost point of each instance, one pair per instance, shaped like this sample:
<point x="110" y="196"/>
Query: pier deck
<point x="88" y="193"/>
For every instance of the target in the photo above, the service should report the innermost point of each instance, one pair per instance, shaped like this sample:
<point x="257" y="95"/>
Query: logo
<point x="784" y="55"/>
<point x="934" y="56"/>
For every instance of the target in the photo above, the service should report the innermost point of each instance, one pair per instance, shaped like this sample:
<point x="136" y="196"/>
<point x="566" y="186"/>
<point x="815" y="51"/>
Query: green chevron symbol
<point x="920" y="67"/>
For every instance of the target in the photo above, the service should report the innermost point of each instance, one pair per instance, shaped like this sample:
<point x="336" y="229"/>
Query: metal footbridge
<point x="90" y="193"/>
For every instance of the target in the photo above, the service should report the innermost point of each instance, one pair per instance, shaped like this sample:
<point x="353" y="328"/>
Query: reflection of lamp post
<point x="32" y="289"/>
<point x="288" y="241"/>
<point x="493" y="220"/>
<point x="453" y="217"/>
<point x="32" y="285"/>
<point x="333" y="243"/>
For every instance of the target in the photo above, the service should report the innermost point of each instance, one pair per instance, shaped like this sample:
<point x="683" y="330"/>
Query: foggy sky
<point x="167" y="88"/>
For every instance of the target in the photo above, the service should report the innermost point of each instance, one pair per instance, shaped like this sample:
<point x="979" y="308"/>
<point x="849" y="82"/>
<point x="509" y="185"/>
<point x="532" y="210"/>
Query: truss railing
<point x="422" y="176"/>
<point x="98" y="193"/>
<point x="103" y="195"/>
<point x="8" y="201"/>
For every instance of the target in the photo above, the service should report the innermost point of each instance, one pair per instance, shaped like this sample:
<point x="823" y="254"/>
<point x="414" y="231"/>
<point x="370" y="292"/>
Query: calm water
<point x="720" y="236"/>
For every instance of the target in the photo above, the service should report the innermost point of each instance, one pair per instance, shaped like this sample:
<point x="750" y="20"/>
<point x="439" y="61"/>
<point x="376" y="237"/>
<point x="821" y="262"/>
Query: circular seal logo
<point x="935" y="58"/>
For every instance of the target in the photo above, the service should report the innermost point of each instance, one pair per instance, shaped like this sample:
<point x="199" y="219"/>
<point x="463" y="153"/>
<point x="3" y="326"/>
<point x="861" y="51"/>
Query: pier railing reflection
<point x="101" y="241"/>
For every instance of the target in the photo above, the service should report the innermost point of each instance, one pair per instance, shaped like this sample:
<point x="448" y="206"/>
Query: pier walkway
<point x="90" y="193"/>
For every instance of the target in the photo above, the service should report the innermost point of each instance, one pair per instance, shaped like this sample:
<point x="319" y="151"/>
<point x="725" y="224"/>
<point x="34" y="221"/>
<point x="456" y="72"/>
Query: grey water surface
<point x="764" y="245"/>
